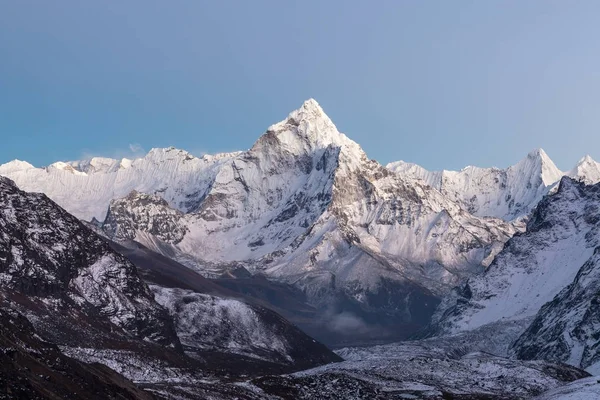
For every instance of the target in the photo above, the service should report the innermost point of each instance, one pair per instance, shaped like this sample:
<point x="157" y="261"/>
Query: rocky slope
<point x="534" y="266"/>
<point x="566" y="328"/>
<point x="31" y="368"/>
<point x="511" y="193"/>
<point x="208" y="324"/>
<point x="49" y="256"/>
<point x="233" y="316"/>
<point x="77" y="292"/>
<point x="257" y="290"/>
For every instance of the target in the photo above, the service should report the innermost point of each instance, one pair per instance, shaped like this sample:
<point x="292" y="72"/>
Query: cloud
<point x="345" y="322"/>
<point x="136" y="148"/>
<point x="133" y="151"/>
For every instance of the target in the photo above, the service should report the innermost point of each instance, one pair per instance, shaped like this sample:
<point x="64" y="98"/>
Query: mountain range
<point x="368" y="245"/>
<point x="510" y="193"/>
<point x="171" y="264"/>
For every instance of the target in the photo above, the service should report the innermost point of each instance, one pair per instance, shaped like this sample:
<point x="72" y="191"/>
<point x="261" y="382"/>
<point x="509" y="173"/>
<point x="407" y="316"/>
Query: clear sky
<point x="441" y="83"/>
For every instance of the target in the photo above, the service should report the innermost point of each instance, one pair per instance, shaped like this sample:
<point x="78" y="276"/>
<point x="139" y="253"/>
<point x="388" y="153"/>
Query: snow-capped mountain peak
<point x="509" y="193"/>
<point x="304" y="205"/>
<point x="586" y="170"/>
<point x="587" y="159"/>
<point x="63" y="166"/>
<point x="14" y="166"/>
<point x="538" y="162"/>
<point x="306" y="130"/>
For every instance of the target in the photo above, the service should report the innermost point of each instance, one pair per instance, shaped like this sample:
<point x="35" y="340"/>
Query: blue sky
<point x="441" y="83"/>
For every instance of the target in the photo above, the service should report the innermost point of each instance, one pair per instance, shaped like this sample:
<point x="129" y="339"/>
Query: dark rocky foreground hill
<point x="31" y="368"/>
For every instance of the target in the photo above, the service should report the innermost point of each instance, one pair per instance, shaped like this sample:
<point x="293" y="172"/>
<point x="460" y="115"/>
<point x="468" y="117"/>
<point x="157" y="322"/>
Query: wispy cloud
<point x="136" y="149"/>
<point x="133" y="151"/>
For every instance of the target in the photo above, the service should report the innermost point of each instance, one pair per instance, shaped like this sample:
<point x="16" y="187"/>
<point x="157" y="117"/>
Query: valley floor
<point x="451" y="367"/>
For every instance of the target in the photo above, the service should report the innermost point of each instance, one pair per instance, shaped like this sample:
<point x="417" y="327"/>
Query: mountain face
<point x="238" y="326"/>
<point x="533" y="267"/>
<point x="510" y="193"/>
<point x="207" y="323"/>
<point x="566" y="328"/>
<point x="76" y="293"/>
<point x="304" y="205"/>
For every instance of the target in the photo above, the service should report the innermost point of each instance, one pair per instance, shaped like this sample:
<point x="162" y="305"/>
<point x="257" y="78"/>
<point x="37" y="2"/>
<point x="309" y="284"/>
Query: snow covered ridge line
<point x="183" y="179"/>
<point x="508" y="193"/>
<point x="85" y="188"/>
<point x="102" y="165"/>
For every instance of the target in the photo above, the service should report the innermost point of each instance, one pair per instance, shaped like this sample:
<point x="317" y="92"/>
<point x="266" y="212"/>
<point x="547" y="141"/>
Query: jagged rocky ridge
<point x="31" y="368"/>
<point x="511" y="193"/>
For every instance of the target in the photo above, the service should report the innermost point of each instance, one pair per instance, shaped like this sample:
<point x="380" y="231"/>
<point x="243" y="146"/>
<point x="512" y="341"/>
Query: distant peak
<point x="309" y="111"/>
<point x="586" y="170"/>
<point x="538" y="162"/>
<point x="309" y="121"/>
<point x="586" y="160"/>
<point x="312" y="105"/>
<point x="541" y="157"/>
<point x="168" y="153"/>
<point x="101" y="160"/>
<point x="63" y="166"/>
<point x="538" y="154"/>
<point x="306" y="129"/>
<point x="14" y="166"/>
